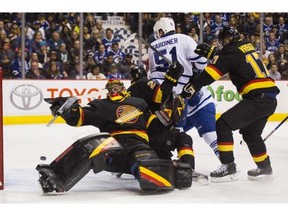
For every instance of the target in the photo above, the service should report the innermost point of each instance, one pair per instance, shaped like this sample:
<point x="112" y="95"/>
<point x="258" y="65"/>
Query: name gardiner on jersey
<point x="167" y="42"/>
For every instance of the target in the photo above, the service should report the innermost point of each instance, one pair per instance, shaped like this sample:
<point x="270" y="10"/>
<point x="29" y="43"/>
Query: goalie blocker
<point x="102" y="152"/>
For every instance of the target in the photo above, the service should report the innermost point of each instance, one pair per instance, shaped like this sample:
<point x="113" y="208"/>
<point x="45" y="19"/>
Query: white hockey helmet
<point x="166" y="24"/>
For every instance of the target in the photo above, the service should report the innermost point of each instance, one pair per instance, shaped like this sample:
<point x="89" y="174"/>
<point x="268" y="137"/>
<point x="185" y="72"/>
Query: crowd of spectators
<point x="52" y="48"/>
<point x="52" y="42"/>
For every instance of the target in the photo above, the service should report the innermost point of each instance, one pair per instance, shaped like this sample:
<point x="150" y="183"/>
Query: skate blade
<point x="261" y="178"/>
<point x="202" y="181"/>
<point x="124" y="176"/>
<point x="228" y="178"/>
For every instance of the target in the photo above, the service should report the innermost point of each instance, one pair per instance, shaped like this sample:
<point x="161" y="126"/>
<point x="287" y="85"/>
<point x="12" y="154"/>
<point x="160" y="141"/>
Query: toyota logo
<point x="26" y="97"/>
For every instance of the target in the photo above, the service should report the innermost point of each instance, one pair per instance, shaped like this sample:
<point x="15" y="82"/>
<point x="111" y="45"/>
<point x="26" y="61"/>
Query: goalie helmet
<point x="116" y="89"/>
<point x="228" y="32"/>
<point x="166" y="24"/>
<point x="137" y="73"/>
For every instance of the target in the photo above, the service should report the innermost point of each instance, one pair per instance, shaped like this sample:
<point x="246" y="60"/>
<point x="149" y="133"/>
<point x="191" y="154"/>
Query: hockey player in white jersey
<point x="180" y="47"/>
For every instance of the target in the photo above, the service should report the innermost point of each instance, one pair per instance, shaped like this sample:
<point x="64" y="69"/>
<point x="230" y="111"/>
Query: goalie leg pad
<point x="77" y="160"/>
<point x="48" y="180"/>
<point x="183" y="175"/>
<point x="156" y="175"/>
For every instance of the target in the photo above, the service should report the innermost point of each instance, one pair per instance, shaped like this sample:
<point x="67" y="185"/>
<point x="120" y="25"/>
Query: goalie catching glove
<point x="206" y="50"/>
<point x="174" y="72"/>
<point x="66" y="107"/>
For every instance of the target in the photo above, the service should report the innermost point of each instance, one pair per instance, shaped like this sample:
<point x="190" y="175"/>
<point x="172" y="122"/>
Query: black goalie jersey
<point x="125" y="118"/>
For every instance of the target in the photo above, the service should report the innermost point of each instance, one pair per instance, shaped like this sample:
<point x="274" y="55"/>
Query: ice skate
<point x="261" y="173"/>
<point x="124" y="176"/>
<point x="225" y="173"/>
<point x="199" y="178"/>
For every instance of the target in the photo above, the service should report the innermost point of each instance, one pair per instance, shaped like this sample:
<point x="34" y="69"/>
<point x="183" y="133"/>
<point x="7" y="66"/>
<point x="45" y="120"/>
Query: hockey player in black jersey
<point x="163" y="137"/>
<point x="122" y="119"/>
<point x="166" y="109"/>
<point x="251" y="78"/>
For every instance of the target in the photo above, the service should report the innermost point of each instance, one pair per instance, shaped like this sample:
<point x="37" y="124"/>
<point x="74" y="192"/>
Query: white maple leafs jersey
<point x="178" y="47"/>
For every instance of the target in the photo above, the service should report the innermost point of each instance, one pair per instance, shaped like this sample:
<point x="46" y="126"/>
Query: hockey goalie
<point x="121" y="146"/>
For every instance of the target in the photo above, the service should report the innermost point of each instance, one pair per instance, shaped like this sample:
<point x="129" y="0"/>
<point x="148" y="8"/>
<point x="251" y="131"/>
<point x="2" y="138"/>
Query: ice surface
<point x="24" y="144"/>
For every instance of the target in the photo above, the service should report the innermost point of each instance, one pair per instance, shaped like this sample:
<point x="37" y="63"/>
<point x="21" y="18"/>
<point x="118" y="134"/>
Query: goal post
<point x="1" y="137"/>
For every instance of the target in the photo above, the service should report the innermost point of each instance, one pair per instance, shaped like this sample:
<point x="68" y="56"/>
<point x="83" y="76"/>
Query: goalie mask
<point x="116" y="89"/>
<point x="137" y="73"/>
<point x="165" y="24"/>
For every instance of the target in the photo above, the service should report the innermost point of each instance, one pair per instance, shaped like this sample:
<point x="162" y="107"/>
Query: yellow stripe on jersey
<point x="153" y="177"/>
<point x="81" y="117"/>
<point x="213" y="72"/>
<point x="139" y="133"/>
<point x="257" y="84"/>
<point x="158" y="95"/>
<point x="225" y="147"/>
<point x="151" y="118"/>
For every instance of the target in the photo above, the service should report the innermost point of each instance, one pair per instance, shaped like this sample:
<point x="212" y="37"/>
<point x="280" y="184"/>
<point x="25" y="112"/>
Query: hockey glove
<point x="56" y="104"/>
<point x="190" y="89"/>
<point x="72" y="114"/>
<point x="174" y="73"/>
<point x="66" y="107"/>
<point x="206" y="50"/>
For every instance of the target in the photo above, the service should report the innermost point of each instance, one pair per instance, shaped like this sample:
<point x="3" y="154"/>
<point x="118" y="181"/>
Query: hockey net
<point x="1" y="136"/>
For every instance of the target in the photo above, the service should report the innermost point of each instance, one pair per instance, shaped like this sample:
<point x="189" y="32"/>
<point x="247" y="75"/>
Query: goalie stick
<point x="70" y="101"/>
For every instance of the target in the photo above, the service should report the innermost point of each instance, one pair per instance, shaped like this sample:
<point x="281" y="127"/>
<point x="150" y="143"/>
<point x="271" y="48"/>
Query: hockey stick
<point x="275" y="128"/>
<point x="153" y="48"/>
<point x="70" y="101"/>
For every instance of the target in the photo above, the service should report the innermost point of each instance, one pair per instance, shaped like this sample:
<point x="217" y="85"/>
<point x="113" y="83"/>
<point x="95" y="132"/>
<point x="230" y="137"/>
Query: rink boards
<point x="23" y="99"/>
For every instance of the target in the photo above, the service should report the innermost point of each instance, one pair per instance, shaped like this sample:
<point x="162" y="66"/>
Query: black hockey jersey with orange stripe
<point x="246" y="70"/>
<point x="149" y="90"/>
<point x="125" y="118"/>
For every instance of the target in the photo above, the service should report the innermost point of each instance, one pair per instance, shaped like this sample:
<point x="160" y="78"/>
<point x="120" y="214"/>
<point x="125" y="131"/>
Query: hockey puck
<point x="43" y="158"/>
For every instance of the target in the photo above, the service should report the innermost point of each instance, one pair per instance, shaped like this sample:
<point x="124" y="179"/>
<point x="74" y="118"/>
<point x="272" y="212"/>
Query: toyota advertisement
<point x="23" y="99"/>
